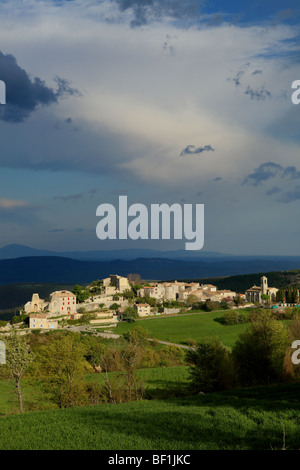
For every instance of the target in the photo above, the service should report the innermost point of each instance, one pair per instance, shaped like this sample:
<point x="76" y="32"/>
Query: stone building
<point x="115" y="284"/>
<point x="35" y="305"/>
<point x="62" y="302"/>
<point x="183" y="290"/>
<point x="142" y="309"/>
<point x="254" y="294"/>
<point x="40" y="321"/>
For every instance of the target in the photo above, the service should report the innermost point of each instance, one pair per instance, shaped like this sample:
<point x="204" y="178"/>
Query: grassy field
<point x="262" y="418"/>
<point x="181" y="328"/>
<point x="160" y="382"/>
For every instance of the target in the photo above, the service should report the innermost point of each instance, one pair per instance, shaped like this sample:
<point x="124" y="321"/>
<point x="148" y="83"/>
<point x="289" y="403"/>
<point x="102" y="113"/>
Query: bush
<point x="259" y="352"/>
<point x="212" y="368"/>
<point x="231" y="318"/>
<point x="234" y="317"/>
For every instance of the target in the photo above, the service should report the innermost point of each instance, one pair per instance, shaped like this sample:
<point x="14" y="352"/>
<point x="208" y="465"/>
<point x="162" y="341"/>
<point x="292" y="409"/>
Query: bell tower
<point x="264" y="285"/>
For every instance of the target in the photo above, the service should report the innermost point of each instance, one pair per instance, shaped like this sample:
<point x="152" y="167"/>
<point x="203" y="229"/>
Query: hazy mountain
<point x="65" y="270"/>
<point x="19" y="251"/>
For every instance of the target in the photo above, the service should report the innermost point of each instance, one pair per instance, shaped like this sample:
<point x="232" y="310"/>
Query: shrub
<point x="231" y="318"/>
<point x="259" y="352"/>
<point x="212" y="367"/>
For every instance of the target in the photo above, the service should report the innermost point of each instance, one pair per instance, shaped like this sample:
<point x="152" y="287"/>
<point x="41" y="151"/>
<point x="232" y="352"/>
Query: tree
<point x="123" y="385"/>
<point x="211" y="368"/>
<point x="60" y="367"/>
<point x="18" y="359"/>
<point x="130" y="314"/>
<point x="280" y="296"/>
<point x="114" y="306"/>
<point x="259" y="352"/>
<point x="238" y="300"/>
<point x="138" y="336"/>
<point x="82" y="293"/>
<point x="210" y="305"/>
<point x="95" y="351"/>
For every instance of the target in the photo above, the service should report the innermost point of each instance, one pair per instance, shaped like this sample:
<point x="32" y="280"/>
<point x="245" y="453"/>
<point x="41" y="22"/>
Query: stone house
<point x="143" y="310"/>
<point x="40" y="321"/>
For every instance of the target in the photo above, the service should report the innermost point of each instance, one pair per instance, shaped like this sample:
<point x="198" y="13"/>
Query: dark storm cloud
<point x="23" y="94"/>
<point x="270" y="170"/>
<point x="57" y="230"/>
<point x="192" y="150"/>
<point x="145" y="11"/>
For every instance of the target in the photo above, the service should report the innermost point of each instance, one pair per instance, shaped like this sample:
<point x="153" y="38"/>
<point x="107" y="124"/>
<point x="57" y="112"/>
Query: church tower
<point x="264" y="285"/>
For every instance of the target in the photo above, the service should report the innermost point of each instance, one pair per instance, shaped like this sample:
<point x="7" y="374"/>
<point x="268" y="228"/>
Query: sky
<point x="164" y="101"/>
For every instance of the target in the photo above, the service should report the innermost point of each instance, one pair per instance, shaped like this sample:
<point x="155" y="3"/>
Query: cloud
<point x="77" y="197"/>
<point x="10" y="204"/>
<point x="146" y="11"/>
<point x="291" y="196"/>
<point x="273" y="190"/>
<point x="237" y="78"/>
<point x="57" y="230"/>
<point x="270" y="170"/>
<point x="258" y="94"/>
<point x="192" y="150"/>
<point x="263" y="173"/>
<point x="25" y="95"/>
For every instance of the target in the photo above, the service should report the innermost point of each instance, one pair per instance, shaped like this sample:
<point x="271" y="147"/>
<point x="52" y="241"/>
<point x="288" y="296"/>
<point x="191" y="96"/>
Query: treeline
<point x="262" y="355"/>
<point x="59" y="363"/>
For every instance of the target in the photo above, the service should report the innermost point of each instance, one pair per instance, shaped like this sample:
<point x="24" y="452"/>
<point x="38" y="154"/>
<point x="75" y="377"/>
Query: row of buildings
<point x="183" y="290"/>
<point x="63" y="303"/>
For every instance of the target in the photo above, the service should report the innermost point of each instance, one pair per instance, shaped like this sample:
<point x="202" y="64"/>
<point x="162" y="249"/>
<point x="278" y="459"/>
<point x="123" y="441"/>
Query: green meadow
<point x="160" y="382"/>
<point x="181" y="328"/>
<point x="263" y="418"/>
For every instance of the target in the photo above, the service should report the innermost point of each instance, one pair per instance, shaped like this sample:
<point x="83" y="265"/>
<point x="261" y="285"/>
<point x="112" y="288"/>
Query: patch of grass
<point x="251" y="419"/>
<point x="159" y="382"/>
<point x="178" y="329"/>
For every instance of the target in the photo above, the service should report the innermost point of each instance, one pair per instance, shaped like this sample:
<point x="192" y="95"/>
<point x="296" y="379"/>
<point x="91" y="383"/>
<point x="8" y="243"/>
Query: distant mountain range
<point x="20" y="251"/>
<point x="57" y="269"/>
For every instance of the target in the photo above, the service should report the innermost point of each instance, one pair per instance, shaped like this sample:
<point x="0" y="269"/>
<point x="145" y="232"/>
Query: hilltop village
<point x="116" y="298"/>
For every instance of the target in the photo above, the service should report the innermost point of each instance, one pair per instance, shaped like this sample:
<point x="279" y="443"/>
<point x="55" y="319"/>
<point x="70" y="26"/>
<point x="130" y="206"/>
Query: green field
<point x="263" y="418"/>
<point x="181" y="328"/>
<point x="160" y="382"/>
